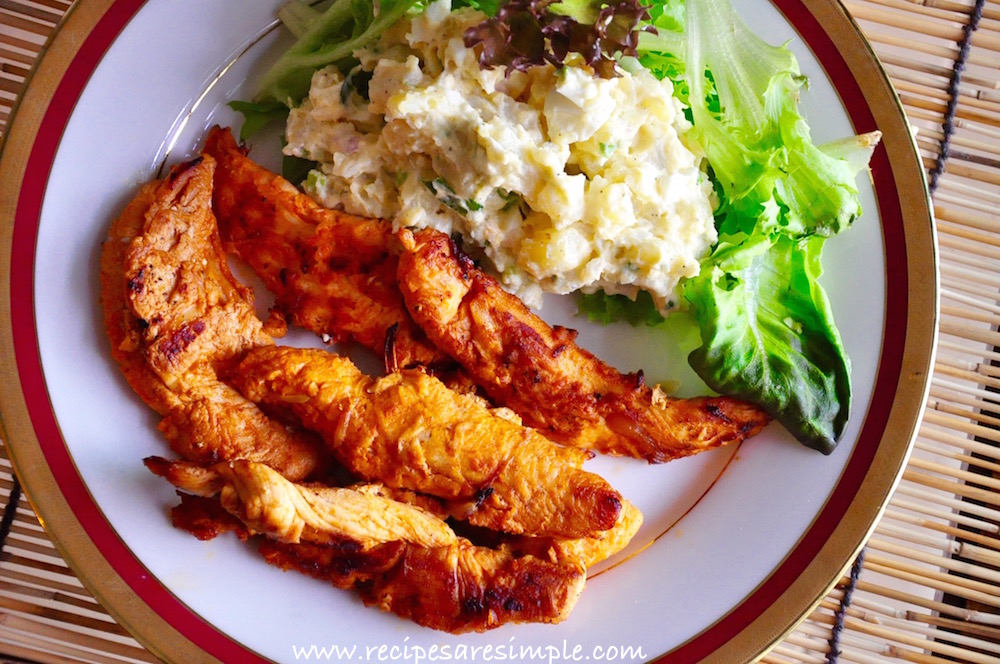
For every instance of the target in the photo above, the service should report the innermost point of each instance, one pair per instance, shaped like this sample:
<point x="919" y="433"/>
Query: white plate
<point x="737" y="545"/>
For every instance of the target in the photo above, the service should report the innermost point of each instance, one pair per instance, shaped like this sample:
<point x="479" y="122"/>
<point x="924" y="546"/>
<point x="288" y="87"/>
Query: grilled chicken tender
<point x="175" y="317"/>
<point x="587" y="551"/>
<point x="331" y="272"/>
<point x="269" y="504"/>
<point x="408" y="430"/>
<point x="457" y="588"/>
<point x="540" y="372"/>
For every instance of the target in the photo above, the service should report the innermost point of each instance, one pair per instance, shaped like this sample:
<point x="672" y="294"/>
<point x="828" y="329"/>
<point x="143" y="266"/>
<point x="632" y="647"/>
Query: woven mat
<point x="927" y="586"/>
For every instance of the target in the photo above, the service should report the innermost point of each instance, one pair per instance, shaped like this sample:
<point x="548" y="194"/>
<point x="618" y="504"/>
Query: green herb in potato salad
<point x="649" y="155"/>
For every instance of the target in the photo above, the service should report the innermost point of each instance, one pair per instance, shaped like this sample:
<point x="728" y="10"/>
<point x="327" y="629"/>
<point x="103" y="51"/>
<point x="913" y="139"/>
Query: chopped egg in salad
<point x="563" y="180"/>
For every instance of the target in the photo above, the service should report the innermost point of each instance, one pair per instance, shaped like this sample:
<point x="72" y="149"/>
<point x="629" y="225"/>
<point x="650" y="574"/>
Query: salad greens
<point x="603" y="308"/>
<point x="767" y="331"/>
<point x="768" y="334"/>
<point x="323" y="38"/>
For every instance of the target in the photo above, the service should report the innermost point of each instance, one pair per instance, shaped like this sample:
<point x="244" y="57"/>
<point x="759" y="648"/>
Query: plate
<point x="738" y="545"/>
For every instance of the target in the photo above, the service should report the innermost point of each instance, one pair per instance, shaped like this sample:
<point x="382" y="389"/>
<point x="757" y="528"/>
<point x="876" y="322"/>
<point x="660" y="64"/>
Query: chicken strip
<point x="457" y="588"/>
<point x="123" y="328"/>
<point x="269" y="504"/>
<point x="584" y="551"/>
<point x="408" y="430"/>
<point x="541" y="373"/>
<point x="175" y="316"/>
<point x="587" y="551"/>
<point x="331" y="272"/>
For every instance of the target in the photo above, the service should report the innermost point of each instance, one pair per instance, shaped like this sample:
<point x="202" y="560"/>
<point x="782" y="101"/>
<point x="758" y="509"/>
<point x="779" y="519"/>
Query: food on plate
<point x="457" y="588"/>
<point x="176" y="317"/>
<point x="331" y="272"/>
<point x="565" y="181"/>
<point x="767" y="327"/>
<point x="623" y="151"/>
<point x="464" y="316"/>
<point x="185" y="334"/>
<point x="409" y="430"/>
<point x="464" y="586"/>
<point x="540" y="373"/>
<point x="269" y="504"/>
<point x="366" y="514"/>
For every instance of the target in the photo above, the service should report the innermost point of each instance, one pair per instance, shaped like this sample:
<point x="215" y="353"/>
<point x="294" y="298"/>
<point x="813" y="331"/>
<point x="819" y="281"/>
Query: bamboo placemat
<point x="927" y="586"/>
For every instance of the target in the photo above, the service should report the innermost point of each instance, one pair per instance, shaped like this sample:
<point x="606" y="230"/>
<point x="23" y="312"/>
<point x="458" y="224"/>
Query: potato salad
<point x="562" y="180"/>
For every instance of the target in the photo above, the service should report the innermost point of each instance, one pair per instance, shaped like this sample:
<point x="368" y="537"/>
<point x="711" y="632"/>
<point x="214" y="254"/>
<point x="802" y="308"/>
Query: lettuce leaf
<point x="602" y="308"/>
<point x="331" y="37"/>
<point x="257" y="115"/>
<point x="488" y="7"/>
<point x="768" y="334"/>
<point x="758" y="143"/>
<point x="297" y="16"/>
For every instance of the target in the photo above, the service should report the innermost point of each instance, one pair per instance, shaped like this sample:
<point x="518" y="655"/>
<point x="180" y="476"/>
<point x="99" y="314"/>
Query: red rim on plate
<point x="171" y="630"/>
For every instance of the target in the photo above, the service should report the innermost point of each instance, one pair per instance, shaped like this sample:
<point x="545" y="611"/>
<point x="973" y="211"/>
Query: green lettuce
<point x="759" y="144"/>
<point x="324" y="38"/>
<point x="488" y="7"/>
<point x="258" y="114"/>
<point x="604" y="309"/>
<point x="768" y="333"/>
